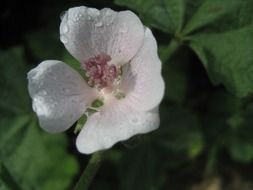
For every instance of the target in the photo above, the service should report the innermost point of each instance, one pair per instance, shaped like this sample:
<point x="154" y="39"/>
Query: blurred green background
<point x="205" y="139"/>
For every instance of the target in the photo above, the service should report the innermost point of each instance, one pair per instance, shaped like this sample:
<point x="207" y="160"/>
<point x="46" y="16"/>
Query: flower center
<point x="100" y="74"/>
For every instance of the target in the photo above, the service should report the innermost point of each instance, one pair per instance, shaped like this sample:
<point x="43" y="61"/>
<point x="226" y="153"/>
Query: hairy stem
<point x="89" y="172"/>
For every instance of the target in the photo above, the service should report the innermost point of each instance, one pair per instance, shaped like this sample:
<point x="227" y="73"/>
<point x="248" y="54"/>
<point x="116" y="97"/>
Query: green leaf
<point x="241" y="151"/>
<point x="13" y="84"/>
<point x="169" y="16"/>
<point x="3" y="186"/>
<point x="32" y="157"/>
<point x="175" y="75"/>
<point x="140" y="169"/>
<point x="215" y="16"/>
<point x="47" y="45"/>
<point x="180" y="132"/>
<point x="152" y="12"/>
<point x="220" y="32"/>
<point x="7" y="179"/>
<point x="240" y="143"/>
<point x="228" y="58"/>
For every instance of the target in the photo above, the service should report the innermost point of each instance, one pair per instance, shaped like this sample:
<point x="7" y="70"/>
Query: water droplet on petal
<point x="53" y="104"/>
<point x="76" y="18"/>
<point x="135" y="120"/>
<point x="66" y="90"/>
<point x="64" y="39"/>
<point x="65" y="29"/>
<point x="124" y="28"/>
<point x="44" y="92"/>
<point x="99" y="24"/>
<point x="40" y="84"/>
<point x="109" y="17"/>
<point x="93" y="12"/>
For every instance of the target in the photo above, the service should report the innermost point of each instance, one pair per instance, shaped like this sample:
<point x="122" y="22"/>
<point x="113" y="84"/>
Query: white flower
<point x="120" y="57"/>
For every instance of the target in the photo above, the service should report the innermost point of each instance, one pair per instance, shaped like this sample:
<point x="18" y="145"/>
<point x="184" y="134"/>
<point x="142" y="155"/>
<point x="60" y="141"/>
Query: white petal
<point x="116" y="122"/>
<point x="142" y="82"/>
<point x="87" y="32"/>
<point x="60" y="95"/>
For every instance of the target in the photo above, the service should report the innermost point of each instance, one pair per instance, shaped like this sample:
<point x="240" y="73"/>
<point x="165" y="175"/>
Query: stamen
<point x="99" y="72"/>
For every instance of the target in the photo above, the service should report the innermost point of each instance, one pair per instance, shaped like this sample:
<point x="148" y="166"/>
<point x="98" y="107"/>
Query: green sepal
<point x="80" y="124"/>
<point x="97" y="103"/>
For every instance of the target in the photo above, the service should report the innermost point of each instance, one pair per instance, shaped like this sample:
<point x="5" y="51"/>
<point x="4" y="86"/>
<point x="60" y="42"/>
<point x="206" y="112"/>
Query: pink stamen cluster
<point x="99" y="72"/>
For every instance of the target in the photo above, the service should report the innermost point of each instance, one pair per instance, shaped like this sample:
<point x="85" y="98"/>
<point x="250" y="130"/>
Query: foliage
<point x="206" y="116"/>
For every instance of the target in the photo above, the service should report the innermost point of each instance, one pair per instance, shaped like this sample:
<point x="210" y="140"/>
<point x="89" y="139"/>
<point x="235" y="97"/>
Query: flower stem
<point x="172" y="48"/>
<point x="89" y="172"/>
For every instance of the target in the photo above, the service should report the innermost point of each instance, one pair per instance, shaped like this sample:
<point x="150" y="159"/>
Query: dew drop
<point x="123" y="29"/>
<point x="44" y="92"/>
<point x="99" y="24"/>
<point x="64" y="39"/>
<point x="109" y="17"/>
<point x="53" y="104"/>
<point x="65" y="29"/>
<point x="77" y="18"/>
<point x="135" y="120"/>
<point x="93" y="12"/>
<point x="40" y="84"/>
<point x="66" y="90"/>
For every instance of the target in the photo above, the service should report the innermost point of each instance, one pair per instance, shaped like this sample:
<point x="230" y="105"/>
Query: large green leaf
<point x="141" y="169"/>
<point x="153" y="13"/>
<point x="32" y="157"/>
<point x="166" y="15"/>
<point x="180" y="132"/>
<point x="46" y="45"/>
<point x="215" y="16"/>
<point x="13" y="97"/>
<point x="220" y="32"/>
<point x="228" y="58"/>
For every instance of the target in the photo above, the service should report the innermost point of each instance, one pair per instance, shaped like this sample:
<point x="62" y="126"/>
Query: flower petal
<point x="116" y="122"/>
<point x="142" y="82"/>
<point x="60" y="95"/>
<point x="87" y="32"/>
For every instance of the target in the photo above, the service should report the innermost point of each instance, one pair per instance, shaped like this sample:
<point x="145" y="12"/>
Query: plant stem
<point x="211" y="162"/>
<point x="170" y="50"/>
<point x="89" y="172"/>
